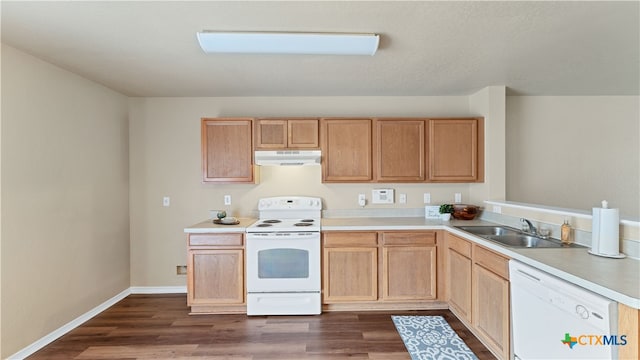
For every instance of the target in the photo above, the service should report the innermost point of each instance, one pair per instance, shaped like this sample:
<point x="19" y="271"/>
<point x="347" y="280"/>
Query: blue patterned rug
<point x="431" y="338"/>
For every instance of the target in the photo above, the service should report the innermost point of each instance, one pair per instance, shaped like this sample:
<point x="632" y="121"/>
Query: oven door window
<point x="283" y="264"/>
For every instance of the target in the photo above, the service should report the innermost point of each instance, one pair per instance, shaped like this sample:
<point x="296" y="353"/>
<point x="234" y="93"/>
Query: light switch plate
<point x="382" y="196"/>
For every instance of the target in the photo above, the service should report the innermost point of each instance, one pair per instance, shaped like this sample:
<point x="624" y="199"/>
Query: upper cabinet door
<point x="275" y="134"/>
<point x="227" y="150"/>
<point x="347" y="154"/>
<point x="303" y="134"/>
<point x="271" y="134"/>
<point x="456" y="150"/>
<point x="400" y="150"/>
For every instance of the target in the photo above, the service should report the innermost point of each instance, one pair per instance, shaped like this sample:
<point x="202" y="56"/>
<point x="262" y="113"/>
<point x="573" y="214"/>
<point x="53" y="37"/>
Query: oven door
<point x="283" y="262"/>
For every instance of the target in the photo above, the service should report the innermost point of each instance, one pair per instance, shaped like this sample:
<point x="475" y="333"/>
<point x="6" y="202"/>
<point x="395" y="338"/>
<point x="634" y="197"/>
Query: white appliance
<point x="283" y="257"/>
<point x="287" y="157"/>
<point x="553" y="319"/>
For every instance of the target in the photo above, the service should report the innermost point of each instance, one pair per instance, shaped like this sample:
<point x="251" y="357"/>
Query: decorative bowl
<point x="465" y="211"/>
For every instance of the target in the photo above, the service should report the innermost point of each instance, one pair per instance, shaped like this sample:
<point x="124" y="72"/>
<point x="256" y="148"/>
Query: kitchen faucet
<point x="532" y="229"/>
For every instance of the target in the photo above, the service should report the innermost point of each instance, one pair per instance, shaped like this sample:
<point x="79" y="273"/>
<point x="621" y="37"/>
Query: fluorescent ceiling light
<point x="288" y="43"/>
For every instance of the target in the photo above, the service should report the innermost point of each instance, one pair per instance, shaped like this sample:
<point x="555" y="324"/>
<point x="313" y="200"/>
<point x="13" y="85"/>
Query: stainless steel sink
<point x="527" y="241"/>
<point x="489" y="230"/>
<point x="512" y="237"/>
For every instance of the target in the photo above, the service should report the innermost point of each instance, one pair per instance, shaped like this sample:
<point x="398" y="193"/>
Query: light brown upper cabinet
<point x="400" y="149"/>
<point x="275" y="134"/>
<point x="227" y="150"/>
<point x="347" y="154"/>
<point x="456" y="150"/>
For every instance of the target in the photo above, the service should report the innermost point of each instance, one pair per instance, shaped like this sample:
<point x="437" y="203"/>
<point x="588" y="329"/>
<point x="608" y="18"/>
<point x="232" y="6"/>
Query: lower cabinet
<point x="459" y="266"/>
<point x="378" y="268"/>
<point x="629" y="324"/>
<point x="490" y="296"/>
<point x="350" y="267"/>
<point x="409" y="266"/>
<point x="215" y="273"/>
<point x="478" y="292"/>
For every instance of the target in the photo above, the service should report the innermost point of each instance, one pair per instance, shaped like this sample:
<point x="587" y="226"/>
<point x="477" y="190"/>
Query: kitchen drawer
<point x="408" y="238"/>
<point x="235" y="239"/>
<point x="491" y="261"/>
<point x="459" y="245"/>
<point x="349" y="239"/>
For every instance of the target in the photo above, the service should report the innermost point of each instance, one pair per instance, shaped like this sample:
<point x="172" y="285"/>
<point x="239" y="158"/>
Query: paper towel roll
<point x="606" y="232"/>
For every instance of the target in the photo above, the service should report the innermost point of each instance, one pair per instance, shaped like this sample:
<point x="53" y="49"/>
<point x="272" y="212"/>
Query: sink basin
<point x="527" y="241"/>
<point x="489" y="230"/>
<point x="512" y="237"/>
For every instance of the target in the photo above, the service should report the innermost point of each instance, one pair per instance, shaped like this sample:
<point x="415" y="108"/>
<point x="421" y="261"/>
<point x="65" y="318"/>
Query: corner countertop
<point x="208" y="226"/>
<point x="617" y="279"/>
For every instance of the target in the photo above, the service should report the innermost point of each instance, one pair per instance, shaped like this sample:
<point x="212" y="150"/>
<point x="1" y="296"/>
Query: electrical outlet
<point x="181" y="269"/>
<point x="166" y="201"/>
<point x="362" y="200"/>
<point x="427" y="198"/>
<point x="227" y="199"/>
<point x="497" y="209"/>
<point x="403" y="198"/>
<point x="458" y="198"/>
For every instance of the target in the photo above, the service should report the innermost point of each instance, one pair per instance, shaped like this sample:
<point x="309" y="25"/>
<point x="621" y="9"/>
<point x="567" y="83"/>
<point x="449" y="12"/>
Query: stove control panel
<point x="290" y="203"/>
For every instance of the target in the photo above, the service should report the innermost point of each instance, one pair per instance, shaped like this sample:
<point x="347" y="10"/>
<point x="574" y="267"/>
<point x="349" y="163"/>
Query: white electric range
<point x="283" y="257"/>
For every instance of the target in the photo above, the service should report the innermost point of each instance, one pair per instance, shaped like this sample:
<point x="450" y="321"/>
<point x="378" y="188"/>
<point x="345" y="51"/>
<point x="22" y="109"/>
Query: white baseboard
<point x="49" y="338"/>
<point x="158" y="289"/>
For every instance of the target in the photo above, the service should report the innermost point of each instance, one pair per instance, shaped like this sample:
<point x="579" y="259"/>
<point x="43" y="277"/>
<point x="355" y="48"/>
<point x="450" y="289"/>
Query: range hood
<point x="287" y="157"/>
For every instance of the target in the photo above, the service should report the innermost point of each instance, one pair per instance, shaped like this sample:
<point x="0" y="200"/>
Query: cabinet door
<point x="458" y="280"/>
<point x="400" y="150"/>
<point x="491" y="310"/>
<point x="227" y="153"/>
<point x="346" y="150"/>
<point x="215" y="277"/>
<point x="350" y="274"/>
<point x="271" y="134"/>
<point x="409" y="272"/>
<point x="456" y="150"/>
<point x="459" y="284"/>
<point x="303" y="133"/>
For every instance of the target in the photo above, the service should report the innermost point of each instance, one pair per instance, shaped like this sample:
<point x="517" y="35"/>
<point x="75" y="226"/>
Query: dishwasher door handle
<point x="528" y="275"/>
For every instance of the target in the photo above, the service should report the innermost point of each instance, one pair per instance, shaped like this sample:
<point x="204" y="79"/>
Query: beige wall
<point x="165" y="161"/>
<point x="573" y="152"/>
<point x="65" y="233"/>
<point x="490" y="102"/>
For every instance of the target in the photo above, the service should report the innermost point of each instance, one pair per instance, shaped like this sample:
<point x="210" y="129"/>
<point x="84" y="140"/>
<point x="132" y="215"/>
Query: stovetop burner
<point x="287" y="214"/>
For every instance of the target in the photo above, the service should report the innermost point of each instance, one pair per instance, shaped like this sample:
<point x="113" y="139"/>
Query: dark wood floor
<point x="158" y="326"/>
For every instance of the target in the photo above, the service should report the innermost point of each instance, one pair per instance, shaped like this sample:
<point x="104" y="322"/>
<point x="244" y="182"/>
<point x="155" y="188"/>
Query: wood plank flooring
<point x="159" y="327"/>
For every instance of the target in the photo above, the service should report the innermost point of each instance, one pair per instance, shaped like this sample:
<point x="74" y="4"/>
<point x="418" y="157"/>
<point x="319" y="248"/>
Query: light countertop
<point x="208" y="226"/>
<point x="617" y="279"/>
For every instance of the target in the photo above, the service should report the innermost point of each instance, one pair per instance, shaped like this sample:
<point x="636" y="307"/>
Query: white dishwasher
<point x="554" y="319"/>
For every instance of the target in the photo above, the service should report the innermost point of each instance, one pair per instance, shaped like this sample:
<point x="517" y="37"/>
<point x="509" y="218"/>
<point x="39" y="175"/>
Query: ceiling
<point x="149" y="48"/>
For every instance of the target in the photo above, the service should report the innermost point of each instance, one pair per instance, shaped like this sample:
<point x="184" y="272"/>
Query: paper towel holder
<point x="596" y="245"/>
